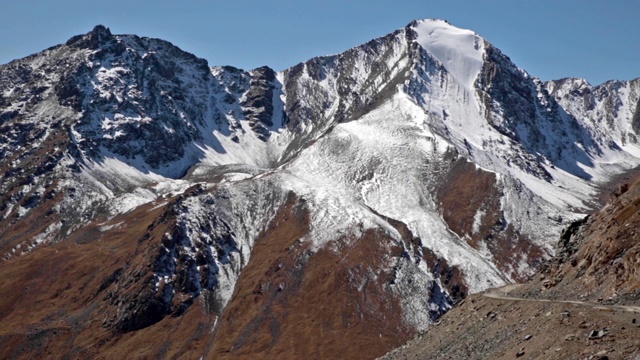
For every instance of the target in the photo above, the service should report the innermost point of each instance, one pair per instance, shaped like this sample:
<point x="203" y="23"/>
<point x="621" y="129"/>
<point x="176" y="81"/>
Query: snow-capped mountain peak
<point x="407" y="171"/>
<point x="460" y="51"/>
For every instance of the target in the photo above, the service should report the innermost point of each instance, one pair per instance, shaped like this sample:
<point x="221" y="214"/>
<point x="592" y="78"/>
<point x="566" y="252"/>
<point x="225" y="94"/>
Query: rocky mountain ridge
<point x="427" y="147"/>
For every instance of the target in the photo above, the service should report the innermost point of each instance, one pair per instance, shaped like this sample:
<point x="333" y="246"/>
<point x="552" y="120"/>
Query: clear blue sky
<point x="596" y="40"/>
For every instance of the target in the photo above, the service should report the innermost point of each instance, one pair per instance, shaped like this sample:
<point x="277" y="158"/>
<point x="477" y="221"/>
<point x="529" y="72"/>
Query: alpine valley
<point x="152" y="206"/>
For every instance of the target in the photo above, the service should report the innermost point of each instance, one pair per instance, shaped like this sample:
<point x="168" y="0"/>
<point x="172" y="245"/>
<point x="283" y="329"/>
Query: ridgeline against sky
<point x="574" y="38"/>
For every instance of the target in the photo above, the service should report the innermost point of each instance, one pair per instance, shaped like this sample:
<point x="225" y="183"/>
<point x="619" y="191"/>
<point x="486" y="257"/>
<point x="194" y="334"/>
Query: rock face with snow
<point x="359" y="193"/>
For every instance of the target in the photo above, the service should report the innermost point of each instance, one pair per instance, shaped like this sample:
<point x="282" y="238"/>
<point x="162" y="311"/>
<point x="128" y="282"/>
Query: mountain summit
<point x="460" y="51"/>
<point x="341" y="205"/>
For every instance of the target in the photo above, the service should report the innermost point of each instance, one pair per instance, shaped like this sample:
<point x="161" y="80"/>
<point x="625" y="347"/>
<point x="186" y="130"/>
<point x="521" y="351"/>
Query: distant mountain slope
<point x="391" y="180"/>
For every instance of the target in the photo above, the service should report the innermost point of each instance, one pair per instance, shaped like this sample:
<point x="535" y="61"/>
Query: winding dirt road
<point x="502" y="293"/>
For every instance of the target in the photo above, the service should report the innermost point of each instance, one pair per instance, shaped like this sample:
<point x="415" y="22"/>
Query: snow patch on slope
<point x="388" y="163"/>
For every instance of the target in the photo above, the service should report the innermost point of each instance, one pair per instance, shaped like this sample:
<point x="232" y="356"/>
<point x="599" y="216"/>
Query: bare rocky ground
<point x="489" y="328"/>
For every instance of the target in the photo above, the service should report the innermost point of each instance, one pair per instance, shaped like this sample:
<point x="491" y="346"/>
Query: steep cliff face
<point x="404" y="174"/>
